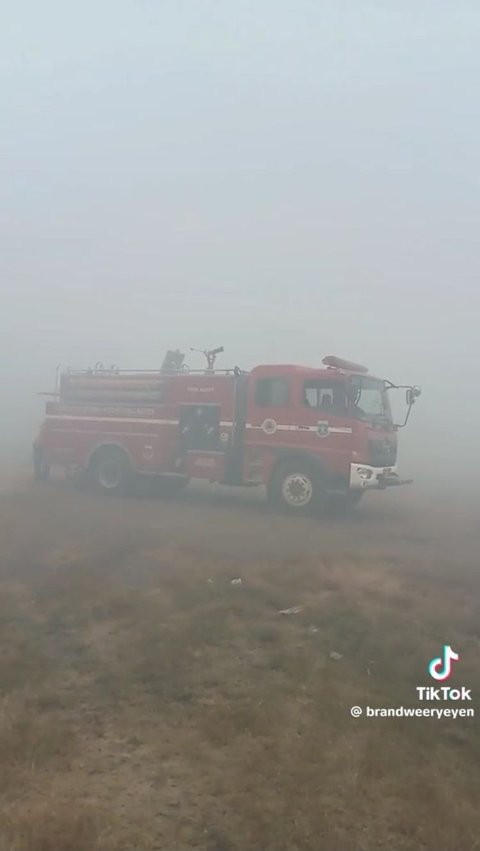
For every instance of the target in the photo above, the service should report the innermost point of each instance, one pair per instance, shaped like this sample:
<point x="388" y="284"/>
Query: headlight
<point x="364" y="472"/>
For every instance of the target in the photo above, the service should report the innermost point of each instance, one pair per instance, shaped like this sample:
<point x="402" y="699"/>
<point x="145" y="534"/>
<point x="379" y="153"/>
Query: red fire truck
<point x="308" y="434"/>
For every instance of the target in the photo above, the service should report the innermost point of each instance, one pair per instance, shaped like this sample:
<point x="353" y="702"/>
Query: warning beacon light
<point x="339" y="363"/>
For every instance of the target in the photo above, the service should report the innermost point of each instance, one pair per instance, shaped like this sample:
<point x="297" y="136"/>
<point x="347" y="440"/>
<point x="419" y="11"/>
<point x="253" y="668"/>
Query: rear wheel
<point x="296" y="488"/>
<point x="110" y="470"/>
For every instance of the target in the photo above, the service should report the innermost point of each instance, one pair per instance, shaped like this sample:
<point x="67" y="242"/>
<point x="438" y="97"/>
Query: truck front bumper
<point x="365" y="477"/>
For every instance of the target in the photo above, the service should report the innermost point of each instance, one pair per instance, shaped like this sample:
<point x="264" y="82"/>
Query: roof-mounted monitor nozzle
<point x="339" y="363"/>
<point x="211" y="356"/>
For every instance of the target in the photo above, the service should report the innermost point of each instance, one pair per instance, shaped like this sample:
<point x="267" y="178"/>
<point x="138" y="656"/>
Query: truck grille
<point x="383" y="453"/>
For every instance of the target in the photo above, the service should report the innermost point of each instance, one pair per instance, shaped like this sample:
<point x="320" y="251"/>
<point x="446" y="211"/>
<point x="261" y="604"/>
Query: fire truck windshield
<point x="369" y="399"/>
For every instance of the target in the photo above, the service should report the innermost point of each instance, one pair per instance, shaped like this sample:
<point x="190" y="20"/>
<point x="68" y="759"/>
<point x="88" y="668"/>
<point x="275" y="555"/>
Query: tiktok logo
<point x="440" y="668"/>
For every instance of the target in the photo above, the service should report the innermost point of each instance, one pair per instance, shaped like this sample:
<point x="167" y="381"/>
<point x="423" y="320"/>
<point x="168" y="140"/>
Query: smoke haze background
<point x="286" y="179"/>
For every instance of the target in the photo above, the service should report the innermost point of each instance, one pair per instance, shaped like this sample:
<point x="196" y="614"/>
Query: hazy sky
<point x="286" y="179"/>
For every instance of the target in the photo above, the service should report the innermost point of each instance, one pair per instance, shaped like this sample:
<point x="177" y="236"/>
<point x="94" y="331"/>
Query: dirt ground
<point x="149" y="702"/>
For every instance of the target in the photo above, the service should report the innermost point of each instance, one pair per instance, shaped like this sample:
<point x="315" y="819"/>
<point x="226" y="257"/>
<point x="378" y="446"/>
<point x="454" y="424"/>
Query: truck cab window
<point x="369" y="399"/>
<point x="271" y="392"/>
<point x="325" y="397"/>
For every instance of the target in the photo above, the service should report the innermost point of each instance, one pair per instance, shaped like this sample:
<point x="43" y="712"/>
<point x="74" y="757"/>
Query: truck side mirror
<point x="412" y="395"/>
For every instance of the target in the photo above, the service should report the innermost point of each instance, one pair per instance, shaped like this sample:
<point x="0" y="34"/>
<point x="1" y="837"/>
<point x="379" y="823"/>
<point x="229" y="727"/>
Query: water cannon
<point x="211" y="356"/>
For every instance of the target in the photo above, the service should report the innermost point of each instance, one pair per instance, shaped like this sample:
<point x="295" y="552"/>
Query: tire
<point x="110" y="470"/>
<point x="296" y="488"/>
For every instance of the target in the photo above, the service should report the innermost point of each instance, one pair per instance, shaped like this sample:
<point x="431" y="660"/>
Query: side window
<point x="325" y="396"/>
<point x="271" y="392"/>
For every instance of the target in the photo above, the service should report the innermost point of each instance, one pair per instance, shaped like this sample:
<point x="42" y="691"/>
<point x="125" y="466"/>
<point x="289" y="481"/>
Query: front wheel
<point x="110" y="470"/>
<point x="296" y="488"/>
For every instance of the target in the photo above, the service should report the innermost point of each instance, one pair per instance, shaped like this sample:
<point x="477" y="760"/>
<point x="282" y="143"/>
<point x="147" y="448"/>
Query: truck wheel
<point x="296" y="488"/>
<point x="110" y="470"/>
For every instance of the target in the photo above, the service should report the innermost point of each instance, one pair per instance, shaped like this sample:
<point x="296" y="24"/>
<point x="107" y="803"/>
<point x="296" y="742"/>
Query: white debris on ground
<point x="295" y="610"/>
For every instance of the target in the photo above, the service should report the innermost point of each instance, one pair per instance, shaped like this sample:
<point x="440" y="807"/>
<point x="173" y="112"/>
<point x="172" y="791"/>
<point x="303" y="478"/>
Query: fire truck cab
<point x="308" y="434"/>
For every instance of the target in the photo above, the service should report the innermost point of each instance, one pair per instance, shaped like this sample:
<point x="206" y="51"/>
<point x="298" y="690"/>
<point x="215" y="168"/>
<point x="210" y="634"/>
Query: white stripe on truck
<point x="223" y="423"/>
<point x="110" y="419"/>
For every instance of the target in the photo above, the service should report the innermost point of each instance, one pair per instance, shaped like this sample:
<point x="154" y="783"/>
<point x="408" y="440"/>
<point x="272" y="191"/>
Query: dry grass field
<point x="146" y="702"/>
